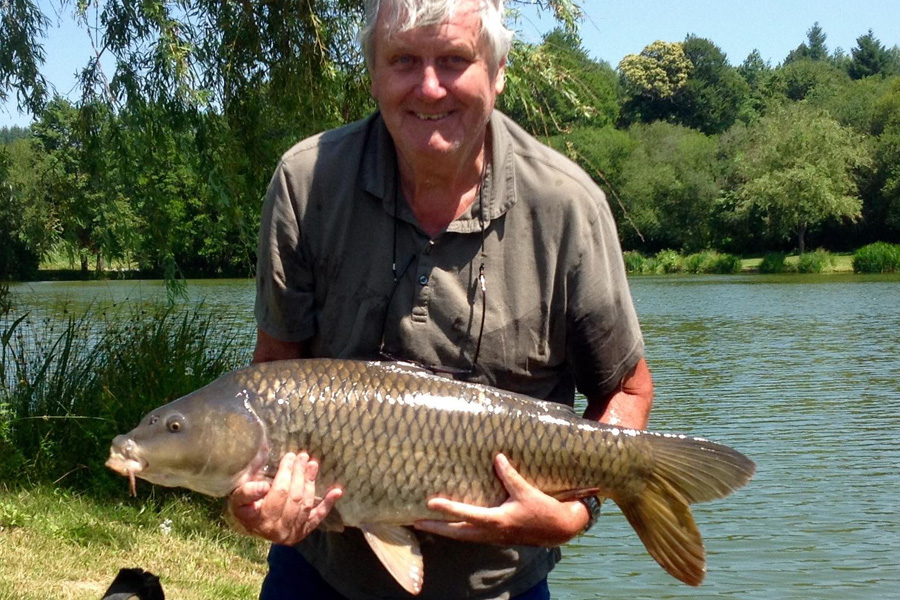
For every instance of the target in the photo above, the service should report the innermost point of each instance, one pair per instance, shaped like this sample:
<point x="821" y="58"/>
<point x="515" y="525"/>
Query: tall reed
<point x="65" y="394"/>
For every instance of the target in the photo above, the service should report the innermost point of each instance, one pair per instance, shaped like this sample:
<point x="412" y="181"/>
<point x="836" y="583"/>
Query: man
<point x="439" y="232"/>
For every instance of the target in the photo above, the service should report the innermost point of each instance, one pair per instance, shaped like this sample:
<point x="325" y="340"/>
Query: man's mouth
<point x="431" y="117"/>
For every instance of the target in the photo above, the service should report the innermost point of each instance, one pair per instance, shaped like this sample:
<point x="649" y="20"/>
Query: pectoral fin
<point x="398" y="550"/>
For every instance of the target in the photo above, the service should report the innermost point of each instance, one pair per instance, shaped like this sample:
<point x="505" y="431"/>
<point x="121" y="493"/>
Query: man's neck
<point x="439" y="196"/>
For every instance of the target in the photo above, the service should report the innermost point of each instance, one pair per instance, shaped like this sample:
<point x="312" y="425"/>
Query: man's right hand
<point x="286" y="510"/>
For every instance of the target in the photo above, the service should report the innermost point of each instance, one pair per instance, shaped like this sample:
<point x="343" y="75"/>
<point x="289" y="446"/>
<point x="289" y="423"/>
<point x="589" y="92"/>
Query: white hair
<point x="403" y="15"/>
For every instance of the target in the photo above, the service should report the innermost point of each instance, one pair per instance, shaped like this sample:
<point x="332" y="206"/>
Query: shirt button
<point x="423" y="279"/>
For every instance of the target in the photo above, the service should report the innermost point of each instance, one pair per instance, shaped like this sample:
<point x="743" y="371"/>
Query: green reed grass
<point x="65" y="394"/>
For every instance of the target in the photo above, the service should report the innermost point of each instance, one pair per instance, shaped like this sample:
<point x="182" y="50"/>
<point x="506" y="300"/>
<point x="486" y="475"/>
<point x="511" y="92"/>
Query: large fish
<point x="394" y="435"/>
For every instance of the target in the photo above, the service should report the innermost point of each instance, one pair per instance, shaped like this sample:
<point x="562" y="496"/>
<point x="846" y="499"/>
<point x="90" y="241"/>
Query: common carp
<point x="394" y="435"/>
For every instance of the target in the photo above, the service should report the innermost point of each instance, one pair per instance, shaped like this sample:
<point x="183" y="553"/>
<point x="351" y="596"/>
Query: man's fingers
<point x="250" y="492"/>
<point x="514" y="483"/>
<point x="322" y="509"/>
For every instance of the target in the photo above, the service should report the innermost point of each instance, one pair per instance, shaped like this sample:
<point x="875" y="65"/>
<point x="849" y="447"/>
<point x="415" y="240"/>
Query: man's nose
<point x="431" y="85"/>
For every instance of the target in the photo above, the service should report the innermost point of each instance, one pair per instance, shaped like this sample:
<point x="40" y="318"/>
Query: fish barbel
<point x="394" y="435"/>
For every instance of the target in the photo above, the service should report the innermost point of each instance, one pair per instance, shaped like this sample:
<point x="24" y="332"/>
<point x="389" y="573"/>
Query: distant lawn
<point x="843" y="263"/>
<point x="55" y="544"/>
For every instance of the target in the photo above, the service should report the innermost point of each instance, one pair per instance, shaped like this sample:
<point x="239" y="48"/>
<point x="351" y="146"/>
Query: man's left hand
<point x="528" y="517"/>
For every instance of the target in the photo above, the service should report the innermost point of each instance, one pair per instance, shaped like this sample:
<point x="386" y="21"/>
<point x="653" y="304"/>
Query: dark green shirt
<point x="558" y="311"/>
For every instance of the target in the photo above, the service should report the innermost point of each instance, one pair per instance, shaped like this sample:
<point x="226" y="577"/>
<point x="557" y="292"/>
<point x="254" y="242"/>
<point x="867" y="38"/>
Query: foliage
<point x="715" y="94"/>
<point x="652" y="79"/>
<point x="879" y="257"/>
<point x="670" y="261"/>
<point x="556" y="85"/>
<point x="710" y="261"/>
<point x="814" y="49"/>
<point x="163" y="161"/>
<point x="798" y="171"/>
<point x="773" y="262"/>
<point x="815" y="262"/>
<point x="669" y="187"/>
<point x="11" y="134"/>
<point x="66" y="394"/>
<point x="870" y="58"/>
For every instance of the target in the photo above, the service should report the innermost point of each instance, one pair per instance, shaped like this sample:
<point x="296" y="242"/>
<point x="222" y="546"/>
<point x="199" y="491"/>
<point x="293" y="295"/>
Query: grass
<point x="843" y="263"/>
<point x="59" y="544"/>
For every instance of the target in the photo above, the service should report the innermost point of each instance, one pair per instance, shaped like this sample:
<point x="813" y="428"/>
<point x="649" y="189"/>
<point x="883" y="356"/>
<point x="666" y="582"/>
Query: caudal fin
<point x="685" y="470"/>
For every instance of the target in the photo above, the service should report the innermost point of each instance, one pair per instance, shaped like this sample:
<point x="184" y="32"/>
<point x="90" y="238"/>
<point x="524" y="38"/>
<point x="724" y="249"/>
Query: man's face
<point x="435" y="86"/>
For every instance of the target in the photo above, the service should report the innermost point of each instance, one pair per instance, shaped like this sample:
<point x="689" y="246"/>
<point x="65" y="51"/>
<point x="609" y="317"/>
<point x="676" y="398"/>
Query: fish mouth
<point x="123" y="462"/>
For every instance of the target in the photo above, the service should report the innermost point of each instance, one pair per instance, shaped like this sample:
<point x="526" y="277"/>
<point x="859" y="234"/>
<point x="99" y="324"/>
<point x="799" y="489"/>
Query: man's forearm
<point x="629" y="405"/>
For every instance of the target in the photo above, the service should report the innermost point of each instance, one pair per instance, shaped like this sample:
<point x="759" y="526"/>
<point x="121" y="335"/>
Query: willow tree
<point x="224" y="87"/>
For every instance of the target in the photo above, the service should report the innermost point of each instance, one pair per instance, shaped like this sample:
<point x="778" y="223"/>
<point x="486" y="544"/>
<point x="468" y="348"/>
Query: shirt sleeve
<point x="604" y="339"/>
<point x="285" y="285"/>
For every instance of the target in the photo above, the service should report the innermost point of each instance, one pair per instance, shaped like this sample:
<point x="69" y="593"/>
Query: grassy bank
<point x="59" y="544"/>
<point x="67" y="524"/>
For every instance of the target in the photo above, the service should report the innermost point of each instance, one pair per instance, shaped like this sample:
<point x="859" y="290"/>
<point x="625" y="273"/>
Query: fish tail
<point x="685" y="470"/>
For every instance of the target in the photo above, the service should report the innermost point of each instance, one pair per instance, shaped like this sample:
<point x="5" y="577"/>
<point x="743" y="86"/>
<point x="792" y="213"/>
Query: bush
<point x="815" y="262"/>
<point x="879" y="257"/>
<point x="668" y="261"/>
<point x="635" y="262"/>
<point x="774" y="262"/>
<point x="711" y="261"/>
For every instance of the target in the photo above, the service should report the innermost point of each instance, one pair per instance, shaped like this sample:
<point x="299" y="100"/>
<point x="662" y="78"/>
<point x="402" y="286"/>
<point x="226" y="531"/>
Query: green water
<point x="800" y="373"/>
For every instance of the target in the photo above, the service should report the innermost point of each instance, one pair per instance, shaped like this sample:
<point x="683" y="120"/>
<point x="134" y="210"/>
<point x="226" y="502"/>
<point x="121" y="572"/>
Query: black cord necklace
<point x="399" y="275"/>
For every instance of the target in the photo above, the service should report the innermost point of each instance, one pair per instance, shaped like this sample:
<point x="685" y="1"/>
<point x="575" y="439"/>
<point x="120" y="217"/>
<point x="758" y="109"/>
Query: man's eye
<point x="456" y="61"/>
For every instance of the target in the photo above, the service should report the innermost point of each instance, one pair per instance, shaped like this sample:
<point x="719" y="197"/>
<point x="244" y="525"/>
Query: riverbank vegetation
<point x="65" y="392"/>
<point x="162" y="164"/>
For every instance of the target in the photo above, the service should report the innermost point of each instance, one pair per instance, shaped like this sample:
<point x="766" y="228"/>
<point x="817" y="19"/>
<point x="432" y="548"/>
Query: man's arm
<point x="529" y="516"/>
<point x="628" y="405"/>
<point x="269" y="348"/>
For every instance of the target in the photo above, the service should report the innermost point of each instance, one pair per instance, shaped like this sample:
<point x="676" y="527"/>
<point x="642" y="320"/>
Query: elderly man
<point x="439" y="232"/>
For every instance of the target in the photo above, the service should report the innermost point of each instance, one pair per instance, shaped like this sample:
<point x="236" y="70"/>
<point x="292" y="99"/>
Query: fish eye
<point x="174" y="424"/>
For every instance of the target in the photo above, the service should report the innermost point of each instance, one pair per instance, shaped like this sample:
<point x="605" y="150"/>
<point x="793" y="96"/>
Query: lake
<point x="801" y="373"/>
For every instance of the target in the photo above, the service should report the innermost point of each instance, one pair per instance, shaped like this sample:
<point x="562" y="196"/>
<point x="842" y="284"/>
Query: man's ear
<point x="500" y="78"/>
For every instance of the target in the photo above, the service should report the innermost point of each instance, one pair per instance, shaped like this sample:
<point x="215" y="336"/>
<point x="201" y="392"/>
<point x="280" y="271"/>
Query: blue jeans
<point x="290" y="577"/>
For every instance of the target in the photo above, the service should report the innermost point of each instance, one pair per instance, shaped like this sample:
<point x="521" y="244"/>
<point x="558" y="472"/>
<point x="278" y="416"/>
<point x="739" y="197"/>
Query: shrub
<point x="815" y="262"/>
<point x="635" y="262"/>
<point x="879" y="257"/>
<point x="773" y="263"/>
<point x="710" y="261"/>
<point x="668" y="261"/>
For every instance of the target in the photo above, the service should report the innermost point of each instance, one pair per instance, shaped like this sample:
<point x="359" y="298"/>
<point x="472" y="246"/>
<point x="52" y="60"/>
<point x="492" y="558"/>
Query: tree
<point x="715" y="94"/>
<point x="799" y="171"/>
<point x="814" y="49"/>
<point x="869" y="58"/>
<point x="669" y="187"/>
<point x="652" y="79"/>
<point x="556" y="86"/>
<point x="798" y="79"/>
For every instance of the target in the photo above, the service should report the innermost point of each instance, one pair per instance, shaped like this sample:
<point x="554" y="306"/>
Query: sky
<point x="611" y="29"/>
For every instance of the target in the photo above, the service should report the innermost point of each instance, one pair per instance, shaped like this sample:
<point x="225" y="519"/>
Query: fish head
<point x="203" y="442"/>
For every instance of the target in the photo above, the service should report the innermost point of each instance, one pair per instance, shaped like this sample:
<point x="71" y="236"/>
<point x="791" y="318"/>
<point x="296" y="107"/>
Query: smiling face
<point x="436" y="87"/>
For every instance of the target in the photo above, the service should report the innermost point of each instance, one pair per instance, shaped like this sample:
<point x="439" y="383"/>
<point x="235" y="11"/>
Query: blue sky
<point x="614" y="28"/>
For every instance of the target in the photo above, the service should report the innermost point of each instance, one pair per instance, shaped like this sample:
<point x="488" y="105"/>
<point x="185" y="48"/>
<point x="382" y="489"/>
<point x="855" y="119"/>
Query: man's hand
<point x="286" y="510"/>
<point x="528" y="517"/>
